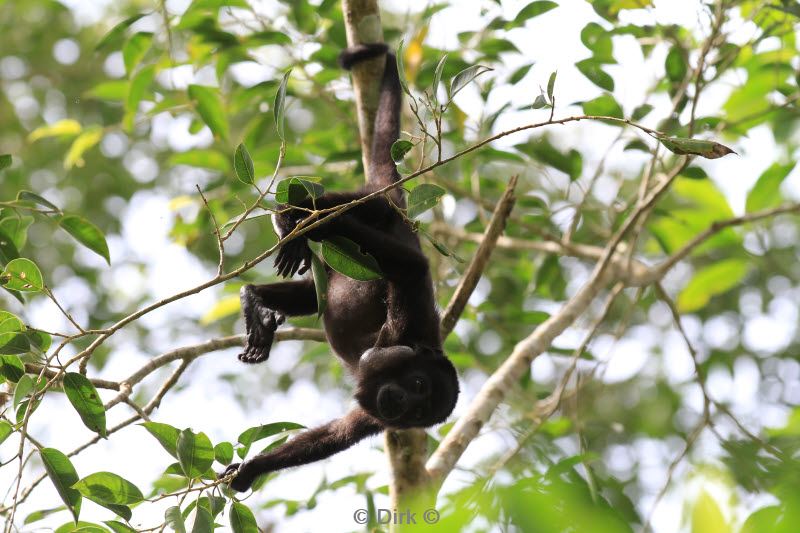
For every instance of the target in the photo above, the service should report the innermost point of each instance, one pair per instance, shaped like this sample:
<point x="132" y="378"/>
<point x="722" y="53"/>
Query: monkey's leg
<point x="264" y="308"/>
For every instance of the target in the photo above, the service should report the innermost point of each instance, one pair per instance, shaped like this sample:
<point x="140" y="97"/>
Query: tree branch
<point x="481" y="258"/>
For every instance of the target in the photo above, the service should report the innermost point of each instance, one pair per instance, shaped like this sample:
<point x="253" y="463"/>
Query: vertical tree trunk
<point x="406" y="450"/>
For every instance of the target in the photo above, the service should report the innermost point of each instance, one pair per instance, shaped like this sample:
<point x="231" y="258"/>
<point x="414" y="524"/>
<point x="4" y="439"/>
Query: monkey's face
<point x="404" y="387"/>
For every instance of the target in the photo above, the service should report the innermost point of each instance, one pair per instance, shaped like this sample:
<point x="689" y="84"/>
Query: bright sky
<point x="207" y="403"/>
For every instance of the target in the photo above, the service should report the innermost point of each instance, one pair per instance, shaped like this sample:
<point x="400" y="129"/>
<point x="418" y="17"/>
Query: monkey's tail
<point x="382" y="169"/>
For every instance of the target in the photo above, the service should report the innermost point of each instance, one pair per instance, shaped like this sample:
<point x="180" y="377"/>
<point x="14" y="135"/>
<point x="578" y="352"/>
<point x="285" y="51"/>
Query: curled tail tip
<point x="361" y="52"/>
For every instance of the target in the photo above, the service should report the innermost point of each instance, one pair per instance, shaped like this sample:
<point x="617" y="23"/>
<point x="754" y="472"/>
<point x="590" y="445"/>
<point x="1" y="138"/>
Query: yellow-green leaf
<point x="227" y="306"/>
<point x="766" y="192"/>
<point x="80" y="145"/>
<point x="209" y="105"/>
<point x="707" y="517"/>
<point x="711" y="281"/>
<point x="135" y="49"/>
<point x="62" y="128"/>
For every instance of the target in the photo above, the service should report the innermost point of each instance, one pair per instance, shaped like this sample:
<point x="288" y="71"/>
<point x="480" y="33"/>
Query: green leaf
<point x="604" y="105"/>
<point x="210" y="159"/>
<point x="707" y="517"/>
<point x="764" y="519"/>
<point x="43" y="513"/>
<point x="345" y="257"/>
<point x="571" y="163"/>
<point x="399" y="150"/>
<point x="401" y="70"/>
<point x="139" y="84"/>
<point x="5" y="161"/>
<point x="518" y="74"/>
<point x="115" y="91"/>
<point x="437" y="76"/>
<point x="84" y="398"/>
<point x="592" y="69"/>
<point x="641" y="111"/>
<point x="6" y="429"/>
<point x="256" y="433"/>
<point x="320" y="276"/>
<point x="174" y="519"/>
<point x="24" y="387"/>
<point x="223" y="453"/>
<point x="87" y="234"/>
<point x="551" y="85"/>
<point x="534" y="9"/>
<point x="209" y="106"/>
<point x="675" y="64"/>
<point x="22" y="275"/>
<point x="8" y="249"/>
<point x="107" y="487"/>
<point x="11" y="368"/>
<point x="293" y="191"/>
<point x="766" y="192"/>
<point x="63" y="128"/>
<point x="707" y="149"/>
<point x="63" y="476"/>
<point x="16" y="227"/>
<point x="423" y="197"/>
<point x="597" y="39"/>
<point x="28" y="196"/>
<point x="117" y="31"/>
<point x="262" y="38"/>
<point x="123" y="511"/>
<point x="81" y="527"/>
<point x="711" y="281"/>
<point x="463" y="78"/>
<point x="540" y="102"/>
<point x="195" y="453"/>
<point x="135" y="49"/>
<point x="279" y="107"/>
<point x="165" y="434"/>
<point x="119" y="527"/>
<point x="13" y="341"/>
<point x="200" y="520"/>
<point x="84" y="142"/>
<point x="242" y="519"/>
<point x="243" y="164"/>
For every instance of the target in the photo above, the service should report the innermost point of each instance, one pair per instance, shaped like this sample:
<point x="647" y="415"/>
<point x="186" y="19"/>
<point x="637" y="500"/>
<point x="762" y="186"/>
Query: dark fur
<point x="386" y="332"/>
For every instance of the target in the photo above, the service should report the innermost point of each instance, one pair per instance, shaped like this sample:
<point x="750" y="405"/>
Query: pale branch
<point x="481" y="258"/>
<point x="362" y="22"/>
<point x="633" y="274"/>
<point x="508" y="374"/>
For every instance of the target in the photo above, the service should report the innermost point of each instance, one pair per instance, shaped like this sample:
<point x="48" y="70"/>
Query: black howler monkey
<point x="385" y="331"/>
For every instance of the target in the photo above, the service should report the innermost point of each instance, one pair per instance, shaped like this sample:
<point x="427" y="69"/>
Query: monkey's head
<point x="406" y="387"/>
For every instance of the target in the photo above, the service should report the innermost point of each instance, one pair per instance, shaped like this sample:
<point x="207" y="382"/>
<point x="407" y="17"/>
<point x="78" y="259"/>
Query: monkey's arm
<point x="311" y="445"/>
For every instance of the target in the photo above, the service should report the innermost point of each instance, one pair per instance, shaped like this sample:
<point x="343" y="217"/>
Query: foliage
<point x="213" y="116"/>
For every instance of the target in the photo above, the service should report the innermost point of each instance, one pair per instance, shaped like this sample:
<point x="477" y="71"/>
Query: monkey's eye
<point x="419" y="385"/>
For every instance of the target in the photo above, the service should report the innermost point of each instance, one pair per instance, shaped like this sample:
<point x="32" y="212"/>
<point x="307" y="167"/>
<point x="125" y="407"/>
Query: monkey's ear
<point x="377" y="360"/>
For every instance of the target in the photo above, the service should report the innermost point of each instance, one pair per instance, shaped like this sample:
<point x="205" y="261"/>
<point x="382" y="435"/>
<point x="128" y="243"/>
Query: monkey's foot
<point x="260" y="333"/>
<point x="240" y="482"/>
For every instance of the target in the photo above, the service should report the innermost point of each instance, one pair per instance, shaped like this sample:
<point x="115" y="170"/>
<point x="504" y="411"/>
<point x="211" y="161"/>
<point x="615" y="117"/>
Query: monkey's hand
<point x="260" y="323"/>
<point x="294" y="257"/>
<point x="242" y="480"/>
